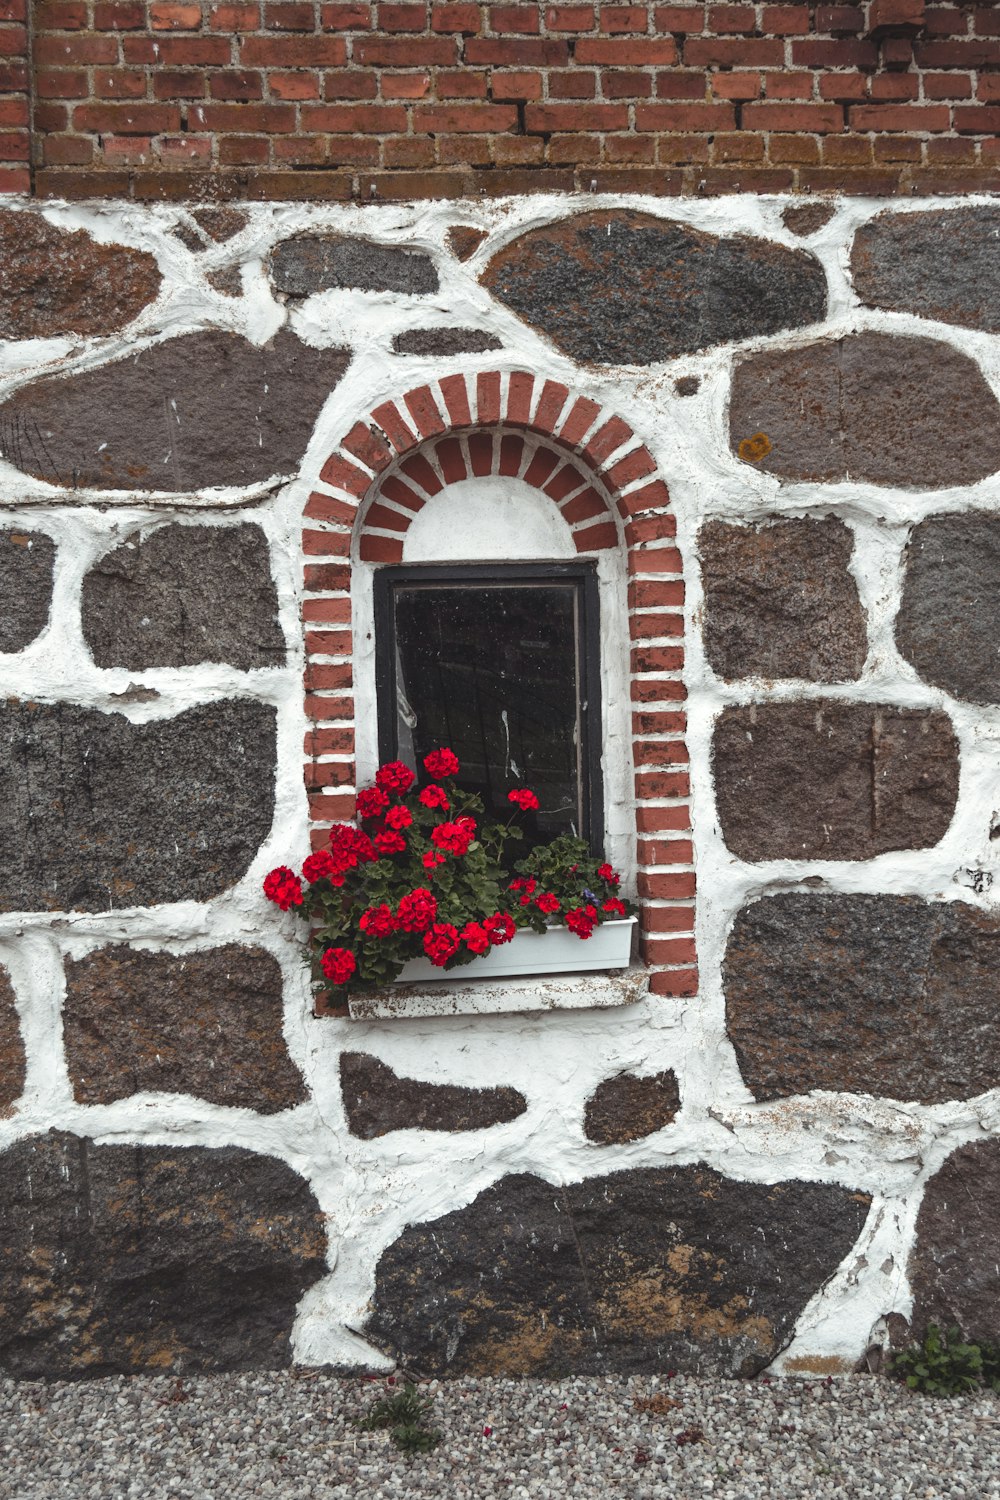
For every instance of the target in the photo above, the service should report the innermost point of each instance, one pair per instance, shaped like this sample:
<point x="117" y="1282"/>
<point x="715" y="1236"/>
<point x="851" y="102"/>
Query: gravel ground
<point x="293" y="1436"/>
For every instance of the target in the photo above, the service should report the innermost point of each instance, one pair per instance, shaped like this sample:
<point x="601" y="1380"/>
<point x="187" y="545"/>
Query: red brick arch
<point x="587" y="461"/>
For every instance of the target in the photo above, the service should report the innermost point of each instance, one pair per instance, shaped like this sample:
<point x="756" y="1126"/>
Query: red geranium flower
<point x="416" y="911"/>
<point x="499" y="928"/>
<point x="606" y="872"/>
<point x="398" y="817"/>
<point x="371" y="801"/>
<point x="441" y="763"/>
<point x="454" y="837"/>
<point x="475" y="937"/>
<point x="432" y="859"/>
<point x="578" y="921"/>
<point x="523" y="798"/>
<point x="433" y="796"/>
<point x="390" y="842"/>
<point x="614" y="904"/>
<point x="440" y="943"/>
<point x="319" y="866"/>
<point x="283" y="887"/>
<point x="378" y="920"/>
<point x="547" y="903"/>
<point x="394" y="776"/>
<point x="338" y="964"/>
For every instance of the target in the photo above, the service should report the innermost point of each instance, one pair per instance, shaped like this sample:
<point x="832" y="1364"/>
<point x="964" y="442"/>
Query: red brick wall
<point x="322" y="98"/>
<point x="14" y="137"/>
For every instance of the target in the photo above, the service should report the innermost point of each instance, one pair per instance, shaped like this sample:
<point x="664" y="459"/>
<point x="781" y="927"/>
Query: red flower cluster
<point x="580" y="921"/>
<point x="441" y="763"/>
<point x="338" y="964"/>
<point x="526" y="886"/>
<point x="499" y="928"/>
<point x="283" y="887"/>
<point x="523" y="798"/>
<point x="349" y="847"/>
<point x="394" y="776"/>
<point x="607" y="872"/>
<point x="433" y="796"/>
<point x="454" y="837"/>
<point x="440" y="943"/>
<point x="388" y="842"/>
<point x="548" y="903"/>
<point x="416" y="911"/>
<point x="398" y="818"/>
<point x="319" y="866"/>
<point x="432" y="859"/>
<point x="378" y="920"/>
<point x="614" y="904"/>
<point x="371" y="801"/>
<point x="475" y="937"/>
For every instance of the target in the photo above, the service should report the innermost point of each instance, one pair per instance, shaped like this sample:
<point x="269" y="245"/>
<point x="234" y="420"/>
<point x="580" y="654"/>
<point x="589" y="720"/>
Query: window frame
<point x="584" y="575"/>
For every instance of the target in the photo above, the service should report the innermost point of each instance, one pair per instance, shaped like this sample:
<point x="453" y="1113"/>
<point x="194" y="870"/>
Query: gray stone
<point x="780" y="601"/>
<point x="97" y="812"/>
<point x="942" y="264"/>
<point x="228" y="281"/>
<point x="820" y="779"/>
<point x="181" y="595"/>
<point x="884" y="995"/>
<point x="874" y="407"/>
<point x="207" y="1023"/>
<point x="318" y="263"/>
<point x="807" y="218"/>
<point x="120" y="1259"/>
<point x="377" y="1101"/>
<point x="626" y="1108"/>
<point x="12" y="1059"/>
<point x="634" y="1273"/>
<point x="201" y="410"/>
<point x="444" y="341"/>
<point x="57" y="281"/>
<point x="948" y="624"/>
<point x="628" y="288"/>
<point x="26" y="562"/>
<point x="953" y="1266"/>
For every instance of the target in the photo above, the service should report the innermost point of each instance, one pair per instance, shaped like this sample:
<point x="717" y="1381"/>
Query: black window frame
<point x="584" y="575"/>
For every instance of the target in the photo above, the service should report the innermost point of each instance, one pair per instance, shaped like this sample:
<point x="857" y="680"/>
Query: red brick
<point x="514" y="18"/>
<point x="401" y="17"/>
<point x="351" y="119"/>
<point x="976" y="121"/>
<point x="521" y="52"/>
<point x="726" y="52"/>
<point x="127" y="119"/>
<point x="338" y="741"/>
<point x="579" y="420"/>
<point x="676" y="984"/>
<point x="646" y="593"/>
<point x="345" y="17"/>
<point x="569" y="18"/>
<point x="670" y="950"/>
<point x="677" y="886"/>
<point x="488" y="396"/>
<point x="167" y="17"/>
<point x="419" y="470"/>
<point x="840" y="54"/>
<point x="816" y="118"/>
<point x="396" y="430"/>
<point x="516" y="85"/>
<point x="679" y="18"/>
<point x="615" y="19"/>
<point x="455" y="18"/>
<point x="405" y="52"/>
<point x="405" y="85"/>
<point x="682" y="117"/>
<point x="422" y="408"/>
<point x="240" y="17"/>
<point x="293" y="86"/>
<point x="380" y="549"/>
<point x="538" y="474"/>
<point x="649" y="529"/>
<point x="384" y="518"/>
<point x="840" y="19"/>
<point x="596" y="538"/>
<point x="625" y="52"/>
<point x="236" y="86"/>
<point x="68" y="51"/>
<point x="566" y="482"/>
<point x="337" y="471"/>
<point x="456" y="400"/>
<point x="350" y="85"/>
<point x="906" y="118"/>
<point x="326" y="543"/>
<point x="785" y="20"/>
<point x="366" y="443"/>
<point x="293" y="51"/>
<point x="545" y="118"/>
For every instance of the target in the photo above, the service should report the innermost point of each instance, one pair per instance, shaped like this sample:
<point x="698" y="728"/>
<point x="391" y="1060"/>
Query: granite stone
<point x="27" y="559"/>
<point x="948" y="626"/>
<point x="378" y="1100"/>
<point x="56" y="281"/>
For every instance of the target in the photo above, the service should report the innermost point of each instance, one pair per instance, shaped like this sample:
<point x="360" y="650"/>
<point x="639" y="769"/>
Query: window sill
<point x="585" y="990"/>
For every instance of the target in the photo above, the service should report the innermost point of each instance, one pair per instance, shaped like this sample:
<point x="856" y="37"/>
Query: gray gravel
<point x="292" y="1436"/>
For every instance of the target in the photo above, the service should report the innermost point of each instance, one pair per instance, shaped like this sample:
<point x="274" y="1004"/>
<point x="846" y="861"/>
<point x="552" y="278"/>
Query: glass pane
<point x="492" y="671"/>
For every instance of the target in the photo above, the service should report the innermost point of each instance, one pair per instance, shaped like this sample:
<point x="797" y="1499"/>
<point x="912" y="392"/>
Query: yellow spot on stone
<point x="752" y="449"/>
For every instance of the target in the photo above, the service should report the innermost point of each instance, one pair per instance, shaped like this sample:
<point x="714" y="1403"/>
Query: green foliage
<point x="568" y="870"/>
<point x="945" y="1365"/>
<point x="404" y="1414"/>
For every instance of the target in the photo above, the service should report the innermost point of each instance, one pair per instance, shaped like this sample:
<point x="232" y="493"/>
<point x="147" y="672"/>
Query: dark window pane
<point x="494" y="672"/>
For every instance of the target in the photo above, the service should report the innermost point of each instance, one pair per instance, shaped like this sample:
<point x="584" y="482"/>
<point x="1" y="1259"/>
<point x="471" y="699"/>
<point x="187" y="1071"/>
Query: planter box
<point x="557" y="951"/>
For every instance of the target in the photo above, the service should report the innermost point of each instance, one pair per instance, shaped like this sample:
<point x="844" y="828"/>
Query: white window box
<point x="554" y="970"/>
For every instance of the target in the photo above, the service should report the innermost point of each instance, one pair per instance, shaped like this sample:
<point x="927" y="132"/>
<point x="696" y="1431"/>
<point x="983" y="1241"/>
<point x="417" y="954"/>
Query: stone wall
<point x="198" y="1173"/>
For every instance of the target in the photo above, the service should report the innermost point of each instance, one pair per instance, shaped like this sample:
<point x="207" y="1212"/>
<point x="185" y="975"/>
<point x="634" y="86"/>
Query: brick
<point x="366" y="444"/>
<point x="327" y="611"/>
<point x="817" y="118"/>
<point x="681" y="117"/>
<point x="455" y="18"/>
<point x="473" y="118"/>
<point x="377" y="119"/>
<point x="905" y="117"/>
<point x="327" y="543"/>
<point x="345" y="17"/>
<point x="614" y="19"/>
<point x="677" y="886"/>
<point x="401" y="17"/>
<point x="127" y="119"/>
<point x="240" y="17"/>
<point x="405" y="52"/>
<point x="320" y="507"/>
<point x="544" y="118"/>
<point x="166" y="17"/>
<point x="380" y="549"/>
<point x="595" y="538"/>
<point x="405" y="85"/>
<point x="517" y="52"/>
<point x="675" y="984"/>
<point x="343" y="475"/>
<point x="679" y="18"/>
<point x="625" y="52"/>
<point x="293" y="51"/>
<point x="514" y="18"/>
<point x="117" y="17"/>
<point x="68" y="51"/>
<point x="422" y="407"/>
<point x="236" y="86"/>
<point x="569" y="18"/>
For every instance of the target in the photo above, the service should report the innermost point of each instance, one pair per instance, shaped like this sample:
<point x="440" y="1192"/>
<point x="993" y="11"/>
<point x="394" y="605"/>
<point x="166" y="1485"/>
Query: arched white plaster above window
<point x="489" y="520"/>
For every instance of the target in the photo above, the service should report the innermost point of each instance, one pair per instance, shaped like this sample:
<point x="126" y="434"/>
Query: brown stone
<point x="322" y="262"/>
<point x="207" y="1023"/>
<point x="26" y="562"/>
<point x="221" y="223"/>
<point x="377" y="1101"/>
<point x="97" y="812"/>
<point x="941" y="265"/>
<point x="820" y="779"/>
<point x="885" y="995"/>
<point x="633" y="1273"/>
<point x="121" y="1259"/>
<point x="626" y="1108"/>
<point x="228" y="281"/>
<point x="948" y="624"/>
<point x="56" y="281"/>
<point x="618" y="287"/>
<point x="780" y="601"/>
<point x="444" y="341"/>
<point x="181" y="595"/>
<point x="153" y="420"/>
<point x="953" y="1266"/>
<point x="464" y="241"/>
<point x="12" y="1059"/>
<point x="804" y="219"/>
<point x="874" y="407"/>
